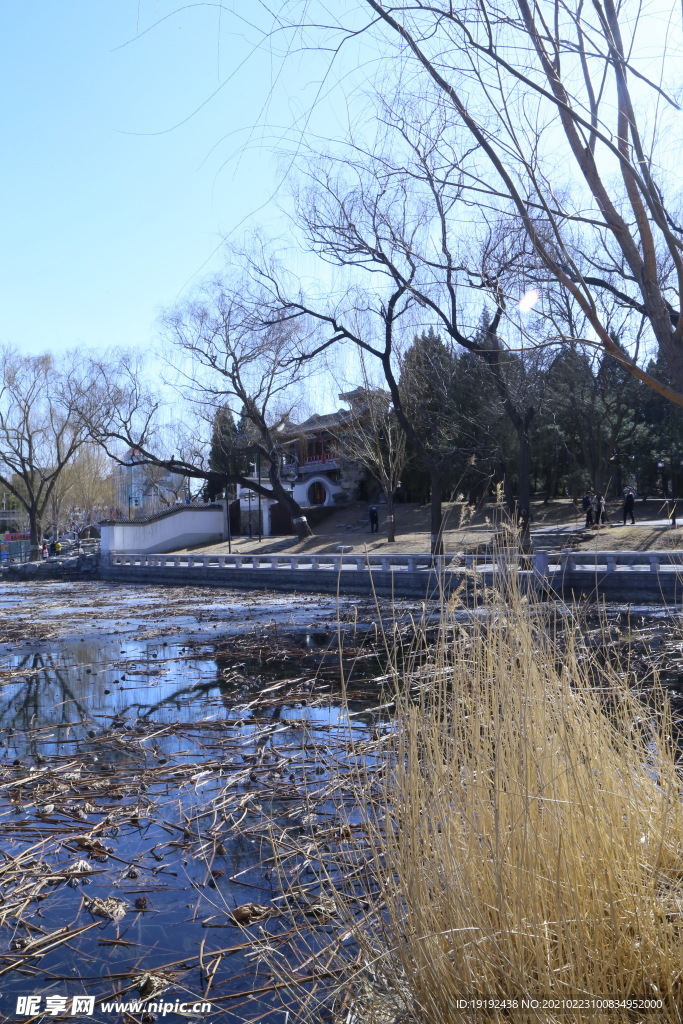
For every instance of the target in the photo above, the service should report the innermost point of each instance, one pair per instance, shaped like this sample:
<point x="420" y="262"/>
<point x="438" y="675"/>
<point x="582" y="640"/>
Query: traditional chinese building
<point x="314" y="467"/>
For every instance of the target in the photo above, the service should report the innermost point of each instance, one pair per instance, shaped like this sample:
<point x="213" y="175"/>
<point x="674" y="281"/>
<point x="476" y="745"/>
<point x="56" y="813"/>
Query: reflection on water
<point x="161" y="766"/>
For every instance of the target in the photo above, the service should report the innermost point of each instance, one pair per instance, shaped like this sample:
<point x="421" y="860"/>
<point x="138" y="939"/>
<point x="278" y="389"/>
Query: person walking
<point x="374" y="520"/>
<point x="629" y="505"/>
<point x="588" y="508"/>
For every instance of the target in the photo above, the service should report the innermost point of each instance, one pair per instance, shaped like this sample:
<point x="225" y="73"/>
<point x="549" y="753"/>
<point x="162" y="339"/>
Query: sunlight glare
<point x="529" y="300"/>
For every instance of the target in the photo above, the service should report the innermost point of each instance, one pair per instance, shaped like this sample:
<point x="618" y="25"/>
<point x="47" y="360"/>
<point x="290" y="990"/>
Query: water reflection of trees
<point x="45" y="697"/>
<point x="58" y="693"/>
<point x="61" y="690"/>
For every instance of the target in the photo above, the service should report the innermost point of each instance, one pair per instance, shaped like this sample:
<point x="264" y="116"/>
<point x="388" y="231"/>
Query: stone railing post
<point x="567" y="560"/>
<point x="541" y="562"/>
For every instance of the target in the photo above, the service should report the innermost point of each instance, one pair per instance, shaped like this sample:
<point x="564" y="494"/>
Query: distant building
<point x="314" y="466"/>
<point x="143" y="490"/>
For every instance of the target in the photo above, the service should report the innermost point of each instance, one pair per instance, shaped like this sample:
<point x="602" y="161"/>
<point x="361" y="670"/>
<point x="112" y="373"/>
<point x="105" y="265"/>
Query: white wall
<point x="180" y="528"/>
<point x="243" y="495"/>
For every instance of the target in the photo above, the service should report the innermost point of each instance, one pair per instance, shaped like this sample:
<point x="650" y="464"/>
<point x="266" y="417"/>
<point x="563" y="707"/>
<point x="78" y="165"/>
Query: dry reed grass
<point x="523" y="836"/>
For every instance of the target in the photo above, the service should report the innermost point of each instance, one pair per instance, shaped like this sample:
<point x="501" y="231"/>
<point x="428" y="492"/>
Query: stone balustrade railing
<point x="541" y="562"/>
<point x="386" y="563"/>
<point x="615" y="561"/>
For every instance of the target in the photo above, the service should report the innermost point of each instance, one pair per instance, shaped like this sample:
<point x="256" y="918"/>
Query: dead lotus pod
<point x="149" y="984"/>
<point x="80" y="867"/>
<point x="110" y="907"/>
<point x="250" y="913"/>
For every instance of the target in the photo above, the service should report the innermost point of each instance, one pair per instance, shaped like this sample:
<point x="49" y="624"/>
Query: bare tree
<point x="164" y="489"/>
<point x="46" y="406"/>
<point x="397" y="215"/>
<point x="227" y="357"/>
<point x="374" y="438"/>
<point x="560" y="123"/>
<point x="84" y="491"/>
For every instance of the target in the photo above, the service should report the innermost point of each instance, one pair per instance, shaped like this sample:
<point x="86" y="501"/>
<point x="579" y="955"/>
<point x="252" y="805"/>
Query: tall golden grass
<point x="527" y="838"/>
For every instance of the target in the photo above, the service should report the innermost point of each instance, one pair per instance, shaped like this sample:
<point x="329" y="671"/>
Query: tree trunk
<point x="524" y="480"/>
<point x="508" y="493"/>
<point x="35" y="530"/>
<point x="436" y="539"/>
<point x="391" y="525"/>
<point x="665" y="484"/>
<point x="299" y="520"/>
<point x="550" y="486"/>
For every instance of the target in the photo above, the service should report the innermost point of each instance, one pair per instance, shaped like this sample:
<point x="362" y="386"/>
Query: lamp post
<point x="227" y="512"/>
<point x="666" y="479"/>
<point x="258" y="477"/>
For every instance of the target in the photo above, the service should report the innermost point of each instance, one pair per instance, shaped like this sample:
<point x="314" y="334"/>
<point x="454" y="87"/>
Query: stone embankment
<point x="54" y="568"/>
<point x="627" y="576"/>
<point x="633" y="576"/>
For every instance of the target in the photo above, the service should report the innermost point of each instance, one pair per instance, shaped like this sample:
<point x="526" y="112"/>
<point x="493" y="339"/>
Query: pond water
<point x="170" y="759"/>
<point x="158" y="747"/>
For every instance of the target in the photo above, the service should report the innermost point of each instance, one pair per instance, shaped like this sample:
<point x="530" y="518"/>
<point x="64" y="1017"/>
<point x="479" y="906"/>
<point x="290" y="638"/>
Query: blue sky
<point x="109" y="212"/>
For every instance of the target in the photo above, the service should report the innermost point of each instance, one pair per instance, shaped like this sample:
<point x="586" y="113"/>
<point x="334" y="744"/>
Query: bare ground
<point x="554" y="525"/>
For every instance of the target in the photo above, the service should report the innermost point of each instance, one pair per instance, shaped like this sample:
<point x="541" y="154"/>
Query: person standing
<point x="588" y="508"/>
<point x="629" y="505"/>
<point x="374" y="520"/>
<point x="599" y="509"/>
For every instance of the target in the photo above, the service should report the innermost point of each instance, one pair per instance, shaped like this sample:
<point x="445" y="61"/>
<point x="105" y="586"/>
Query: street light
<point x="260" y="514"/>
<point x="227" y="512"/>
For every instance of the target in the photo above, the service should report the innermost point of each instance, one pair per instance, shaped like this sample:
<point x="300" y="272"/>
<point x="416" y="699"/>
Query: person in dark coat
<point x="629" y="506"/>
<point x="588" y="508"/>
<point x="374" y="520"/>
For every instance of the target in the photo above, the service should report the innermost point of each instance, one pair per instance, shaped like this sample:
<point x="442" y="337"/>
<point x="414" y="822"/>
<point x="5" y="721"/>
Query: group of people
<point x="55" y="548"/>
<point x="594" y="506"/>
